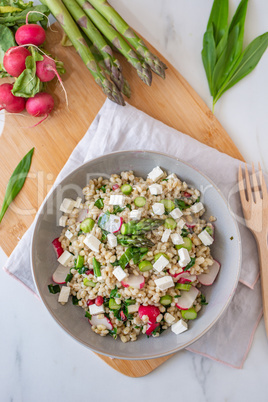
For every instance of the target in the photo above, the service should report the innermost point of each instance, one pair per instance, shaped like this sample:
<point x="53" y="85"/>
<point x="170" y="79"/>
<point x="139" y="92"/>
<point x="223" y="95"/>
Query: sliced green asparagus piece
<point x="134" y="240"/>
<point x="98" y="41"/>
<point x="72" y="31"/>
<point x="145" y="225"/>
<point x="111" y="15"/>
<point x="143" y="70"/>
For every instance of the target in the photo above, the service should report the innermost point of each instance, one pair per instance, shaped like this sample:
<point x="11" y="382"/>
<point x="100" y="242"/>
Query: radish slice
<point x="151" y="328"/>
<point x="187" y="298"/>
<point x="193" y="223"/>
<point x="82" y="215"/>
<point x="101" y="321"/>
<point x="208" y="278"/>
<point x="151" y="311"/>
<point x="133" y="281"/>
<point x="60" y="274"/>
<point x="185" y="277"/>
<point x="57" y="247"/>
<point x="110" y="223"/>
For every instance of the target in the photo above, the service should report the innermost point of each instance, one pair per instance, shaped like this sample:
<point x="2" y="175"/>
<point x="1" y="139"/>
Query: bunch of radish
<point x="42" y="103"/>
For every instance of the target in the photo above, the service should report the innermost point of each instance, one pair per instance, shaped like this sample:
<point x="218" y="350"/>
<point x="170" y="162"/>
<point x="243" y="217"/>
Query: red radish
<point x="115" y="187"/>
<point x="89" y="272"/>
<point x="57" y="247"/>
<point x="208" y="278"/>
<point x="133" y="281"/>
<point x="193" y="223"/>
<point x="151" y="311"/>
<point x="40" y="105"/>
<point x="90" y="302"/>
<point x="9" y="102"/>
<point x="30" y="34"/>
<point x="99" y="300"/>
<point x="185" y="277"/>
<point x="82" y="215"/>
<point x="151" y="328"/>
<point x="187" y="298"/>
<point x="123" y="316"/>
<point x="60" y="274"/>
<point x="14" y="60"/>
<point x="101" y="321"/>
<point x="110" y="223"/>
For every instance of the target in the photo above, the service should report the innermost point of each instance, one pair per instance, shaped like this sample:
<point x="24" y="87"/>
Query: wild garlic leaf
<point x="219" y="19"/>
<point x="209" y="56"/>
<point x="246" y="63"/>
<point x="16" y="181"/>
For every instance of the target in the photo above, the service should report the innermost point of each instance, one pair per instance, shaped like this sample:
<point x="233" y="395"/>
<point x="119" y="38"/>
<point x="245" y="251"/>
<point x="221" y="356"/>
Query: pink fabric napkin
<point x="117" y="128"/>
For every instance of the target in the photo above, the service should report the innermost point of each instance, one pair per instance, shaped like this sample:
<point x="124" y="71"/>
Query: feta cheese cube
<point x="179" y="327"/>
<point x="119" y="273"/>
<point x="165" y="235"/>
<point x="133" y="308"/>
<point x="64" y="294"/>
<point x="176" y="213"/>
<point x="117" y="199"/>
<point x="78" y="202"/>
<point x="164" y="283"/>
<point x="156" y="174"/>
<point x="69" y="235"/>
<point x="158" y="208"/>
<point x="172" y="176"/>
<point x="181" y="223"/>
<point x="112" y="240"/>
<point x="92" y="242"/>
<point x="95" y="310"/>
<point x="197" y="207"/>
<point x="205" y="238"/>
<point x="169" y="318"/>
<point x="161" y="263"/>
<point x="63" y="220"/>
<point x="65" y="258"/>
<point x="155" y="189"/>
<point x="176" y="239"/>
<point x="67" y="205"/>
<point x="135" y="214"/>
<point x="184" y="257"/>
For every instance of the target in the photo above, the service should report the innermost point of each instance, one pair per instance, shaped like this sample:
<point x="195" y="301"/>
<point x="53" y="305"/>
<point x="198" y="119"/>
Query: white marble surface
<point x="39" y="362"/>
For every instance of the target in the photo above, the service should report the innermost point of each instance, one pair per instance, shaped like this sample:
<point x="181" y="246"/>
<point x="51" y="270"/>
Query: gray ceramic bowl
<point x="71" y="318"/>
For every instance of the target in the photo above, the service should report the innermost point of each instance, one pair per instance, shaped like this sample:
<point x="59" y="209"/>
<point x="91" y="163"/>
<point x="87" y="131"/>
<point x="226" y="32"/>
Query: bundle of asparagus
<point x="94" y="28"/>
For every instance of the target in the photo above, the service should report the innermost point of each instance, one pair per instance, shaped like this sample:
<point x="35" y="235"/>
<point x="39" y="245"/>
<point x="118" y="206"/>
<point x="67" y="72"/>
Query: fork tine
<point x="241" y="185"/>
<point x="263" y="184"/>
<point x="248" y="185"/>
<point x="256" y="189"/>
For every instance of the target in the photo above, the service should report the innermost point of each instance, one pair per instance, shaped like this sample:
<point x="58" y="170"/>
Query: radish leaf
<point x="16" y="181"/>
<point x="6" y="41"/>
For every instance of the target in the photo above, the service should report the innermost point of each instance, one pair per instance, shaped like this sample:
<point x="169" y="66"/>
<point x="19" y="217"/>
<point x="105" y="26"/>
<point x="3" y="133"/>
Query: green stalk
<point x="98" y="41"/>
<point x="72" y="31"/>
<point x="112" y="16"/>
<point x="118" y="41"/>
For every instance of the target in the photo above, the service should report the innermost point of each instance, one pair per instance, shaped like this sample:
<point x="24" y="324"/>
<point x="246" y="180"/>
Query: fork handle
<point x="263" y="258"/>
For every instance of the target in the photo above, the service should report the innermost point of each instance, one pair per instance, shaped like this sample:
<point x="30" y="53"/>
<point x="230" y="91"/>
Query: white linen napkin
<point x="117" y="128"/>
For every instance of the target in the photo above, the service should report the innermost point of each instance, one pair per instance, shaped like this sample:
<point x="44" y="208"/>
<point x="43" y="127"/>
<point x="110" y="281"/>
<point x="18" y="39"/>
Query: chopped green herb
<point x="115" y="264"/>
<point x="114" y="293"/>
<point x="75" y="300"/>
<point x="177" y="296"/>
<point x="128" y="206"/>
<point x="113" y="332"/>
<point x="106" y="301"/>
<point x="69" y="277"/>
<point x="82" y="270"/>
<point x="203" y="300"/>
<point x="99" y="203"/>
<point x="128" y="302"/>
<point x="117" y="209"/>
<point x="184" y="232"/>
<point x="136" y="326"/>
<point x="191" y="263"/>
<point x="181" y="204"/>
<point x="165" y="180"/>
<point x="104" y="236"/>
<point x="80" y="232"/>
<point x="103" y="188"/>
<point x="88" y="315"/>
<point x="232" y="238"/>
<point x="53" y="289"/>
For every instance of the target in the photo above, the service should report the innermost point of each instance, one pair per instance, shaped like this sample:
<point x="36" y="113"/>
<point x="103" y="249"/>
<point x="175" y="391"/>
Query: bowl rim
<point x="174" y="350"/>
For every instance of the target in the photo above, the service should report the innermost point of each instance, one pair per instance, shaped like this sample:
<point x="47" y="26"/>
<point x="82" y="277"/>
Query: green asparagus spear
<point x="143" y="70"/>
<point x="134" y="241"/>
<point x="108" y="12"/>
<point x="98" y="41"/>
<point x="145" y="225"/>
<point x="72" y="31"/>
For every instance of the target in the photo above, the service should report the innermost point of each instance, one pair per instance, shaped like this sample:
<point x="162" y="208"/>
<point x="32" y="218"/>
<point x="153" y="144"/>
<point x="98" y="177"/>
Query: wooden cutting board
<point x="172" y="101"/>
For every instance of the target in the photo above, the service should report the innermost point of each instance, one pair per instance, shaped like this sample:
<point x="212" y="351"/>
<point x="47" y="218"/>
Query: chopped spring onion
<point x="158" y="255"/>
<point x="99" y="203"/>
<point x="88" y="282"/>
<point x="53" y="289"/>
<point x="113" y="305"/>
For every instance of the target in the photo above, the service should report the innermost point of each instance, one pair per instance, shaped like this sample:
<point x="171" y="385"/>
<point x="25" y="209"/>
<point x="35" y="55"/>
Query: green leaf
<point x="88" y="315"/>
<point x="218" y="19"/>
<point x="27" y="84"/>
<point x="191" y="263"/>
<point x="246" y="63"/>
<point x="181" y="204"/>
<point x="16" y="181"/>
<point x="117" y="209"/>
<point x="209" y="56"/>
<point x="53" y="288"/>
<point x="6" y="41"/>
<point x="99" y="203"/>
<point x="203" y="300"/>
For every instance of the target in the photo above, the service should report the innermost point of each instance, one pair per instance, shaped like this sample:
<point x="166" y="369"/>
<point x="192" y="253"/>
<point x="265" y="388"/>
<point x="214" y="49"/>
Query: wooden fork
<point x="255" y="209"/>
